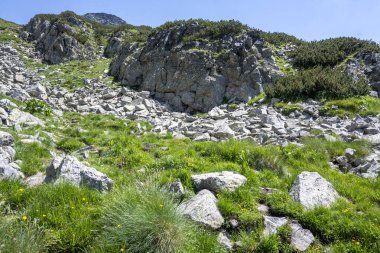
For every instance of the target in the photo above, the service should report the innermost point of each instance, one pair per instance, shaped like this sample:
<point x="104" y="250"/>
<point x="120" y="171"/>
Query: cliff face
<point x="61" y="38"/>
<point x="196" y="75"/>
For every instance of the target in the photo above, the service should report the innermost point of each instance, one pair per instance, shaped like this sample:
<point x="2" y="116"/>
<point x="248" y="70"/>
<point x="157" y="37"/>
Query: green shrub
<point x="317" y="83"/>
<point x="35" y="106"/>
<point x="330" y="52"/>
<point x="145" y="220"/>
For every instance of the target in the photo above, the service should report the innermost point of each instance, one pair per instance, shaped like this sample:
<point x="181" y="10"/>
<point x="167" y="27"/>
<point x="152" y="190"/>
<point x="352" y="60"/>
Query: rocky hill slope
<point x="93" y="163"/>
<point x="105" y="19"/>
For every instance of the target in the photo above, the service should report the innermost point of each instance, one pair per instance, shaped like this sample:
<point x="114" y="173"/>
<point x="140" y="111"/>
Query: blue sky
<point x="306" y="19"/>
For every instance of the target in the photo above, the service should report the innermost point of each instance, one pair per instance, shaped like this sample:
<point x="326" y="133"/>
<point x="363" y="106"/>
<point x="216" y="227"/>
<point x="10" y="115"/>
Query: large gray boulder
<point x="203" y="209"/>
<point x="71" y="170"/>
<point x="218" y="181"/>
<point x="312" y="190"/>
<point x="197" y="75"/>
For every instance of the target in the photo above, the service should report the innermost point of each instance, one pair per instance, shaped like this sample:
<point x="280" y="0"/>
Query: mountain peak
<point x="105" y="19"/>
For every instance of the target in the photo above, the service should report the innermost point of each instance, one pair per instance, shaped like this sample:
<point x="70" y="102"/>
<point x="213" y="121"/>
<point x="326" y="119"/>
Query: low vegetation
<point x="317" y="83"/>
<point x="352" y="107"/>
<point x="72" y="219"/>
<point x="287" y="108"/>
<point x="8" y="31"/>
<point x="72" y="74"/>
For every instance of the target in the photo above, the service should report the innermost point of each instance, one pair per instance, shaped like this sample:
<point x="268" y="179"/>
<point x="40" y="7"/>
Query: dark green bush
<point x="279" y="39"/>
<point x="317" y="83"/>
<point x="212" y="30"/>
<point x="330" y="52"/>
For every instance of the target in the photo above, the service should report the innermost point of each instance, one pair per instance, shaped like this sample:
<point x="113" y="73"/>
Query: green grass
<point x="8" y="31"/>
<point x="76" y="218"/>
<point x="351" y="107"/>
<point x="72" y="74"/>
<point x="288" y="108"/>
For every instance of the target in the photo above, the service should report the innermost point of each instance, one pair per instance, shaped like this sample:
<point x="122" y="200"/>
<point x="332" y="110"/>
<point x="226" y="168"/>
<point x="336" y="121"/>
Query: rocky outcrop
<point x="312" y="190"/>
<point x="105" y="19"/>
<point x="8" y="169"/>
<point x="203" y="209"/>
<point x="71" y="170"/>
<point x="61" y="38"/>
<point x="218" y="181"/>
<point x="197" y="75"/>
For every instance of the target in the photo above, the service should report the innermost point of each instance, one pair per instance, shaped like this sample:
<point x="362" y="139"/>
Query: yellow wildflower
<point x="24" y="218"/>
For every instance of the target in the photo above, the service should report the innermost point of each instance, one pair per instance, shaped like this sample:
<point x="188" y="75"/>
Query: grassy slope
<point x="71" y="216"/>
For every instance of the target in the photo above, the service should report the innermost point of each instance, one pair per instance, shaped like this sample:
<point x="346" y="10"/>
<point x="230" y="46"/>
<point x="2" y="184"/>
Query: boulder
<point x="202" y="208"/>
<point x="23" y="118"/>
<point x="71" y="170"/>
<point x="7" y="172"/>
<point x="35" y="180"/>
<point x="218" y="181"/>
<point x="224" y="241"/>
<point x="301" y="238"/>
<point x="6" y="139"/>
<point x="312" y="190"/>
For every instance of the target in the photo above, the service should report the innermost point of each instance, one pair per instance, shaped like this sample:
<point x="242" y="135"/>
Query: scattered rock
<point x="301" y="238"/>
<point x="203" y="209"/>
<point x="224" y="241"/>
<point x="70" y="169"/>
<point x="312" y="190"/>
<point x="272" y="224"/>
<point x="218" y="181"/>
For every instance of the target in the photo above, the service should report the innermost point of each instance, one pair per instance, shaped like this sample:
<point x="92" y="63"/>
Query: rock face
<point x="105" y="19"/>
<point x="61" y="38"/>
<point x="218" y="181"/>
<point x="197" y="75"/>
<point x="312" y="190"/>
<point x="71" y="170"/>
<point x="203" y="209"/>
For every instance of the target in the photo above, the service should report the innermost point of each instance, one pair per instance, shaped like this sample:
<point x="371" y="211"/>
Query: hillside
<point x="195" y="136"/>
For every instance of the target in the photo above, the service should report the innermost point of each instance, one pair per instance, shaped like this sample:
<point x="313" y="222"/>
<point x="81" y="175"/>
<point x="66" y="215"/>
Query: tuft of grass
<point x="20" y="235"/>
<point x="256" y="99"/>
<point x="69" y="144"/>
<point x="145" y="220"/>
<point x="35" y="157"/>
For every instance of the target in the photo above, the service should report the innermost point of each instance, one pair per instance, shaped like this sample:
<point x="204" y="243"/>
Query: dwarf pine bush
<point x="317" y="83"/>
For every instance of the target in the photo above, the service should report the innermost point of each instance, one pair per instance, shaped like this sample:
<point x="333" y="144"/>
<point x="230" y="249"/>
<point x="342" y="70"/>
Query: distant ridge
<point x="105" y="19"/>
